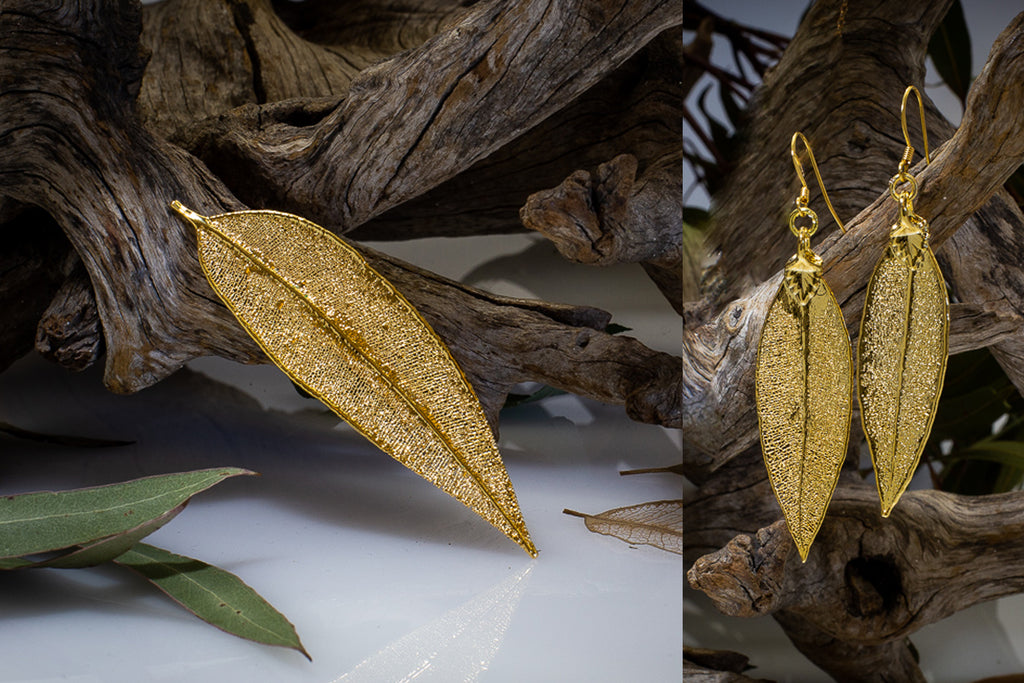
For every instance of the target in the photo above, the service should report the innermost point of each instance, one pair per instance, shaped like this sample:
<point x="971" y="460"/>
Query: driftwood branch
<point x="422" y="117"/>
<point x="937" y="554"/>
<point x="756" y="573"/>
<point x="379" y="28"/>
<point x="96" y="117"/>
<point x="613" y="217"/>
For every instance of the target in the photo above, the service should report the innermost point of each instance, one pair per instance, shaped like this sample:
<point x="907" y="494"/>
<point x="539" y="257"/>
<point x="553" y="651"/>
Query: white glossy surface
<point x="383" y="575"/>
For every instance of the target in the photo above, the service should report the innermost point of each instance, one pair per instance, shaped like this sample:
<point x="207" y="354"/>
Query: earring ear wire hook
<point x="804" y="192"/>
<point x="903" y="122"/>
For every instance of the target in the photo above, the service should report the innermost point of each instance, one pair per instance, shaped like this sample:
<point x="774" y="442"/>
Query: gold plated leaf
<point x="902" y="352"/>
<point x="347" y="336"/>
<point x="804" y="396"/>
<point x="659" y="523"/>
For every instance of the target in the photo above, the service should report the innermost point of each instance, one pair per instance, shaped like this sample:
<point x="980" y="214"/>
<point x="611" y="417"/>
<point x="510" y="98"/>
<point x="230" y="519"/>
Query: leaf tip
<point x="520" y="534"/>
<point x="238" y="472"/>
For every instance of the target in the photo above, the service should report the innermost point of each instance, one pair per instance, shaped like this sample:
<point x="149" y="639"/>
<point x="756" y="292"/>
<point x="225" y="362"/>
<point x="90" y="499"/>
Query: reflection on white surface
<point x="456" y="647"/>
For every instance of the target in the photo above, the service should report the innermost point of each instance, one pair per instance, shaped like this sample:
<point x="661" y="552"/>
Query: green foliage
<point x="214" y="595"/>
<point x="725" y="143"/>
<point x="41" y="522"/>
<point x="696" y="218"/>
<point x="94" y="552"/>
<point x="86" y="527"/>
<point x="976" y="395"/>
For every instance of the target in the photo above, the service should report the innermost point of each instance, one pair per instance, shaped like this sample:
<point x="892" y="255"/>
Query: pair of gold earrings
<point x="804" y="372"/>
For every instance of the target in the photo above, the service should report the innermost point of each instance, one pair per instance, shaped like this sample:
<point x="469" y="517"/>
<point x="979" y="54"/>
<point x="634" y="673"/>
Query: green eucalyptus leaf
<point x="101" y="551"/>
<point x="970" y="416"/>
<point x="8" y="563"/>
<point x="33" y="523"/>
<point x="694" y="252"/>
<point x="950" y="50"/>
<point x="214" y="595"/>
<point x="696" y="218"/>
<point x="1009" y="453"/>
<point x="976" y="393"/>
<point x="970" y="477"/>
<point x="1009" y="479"/>
<point x="993" y="466"/>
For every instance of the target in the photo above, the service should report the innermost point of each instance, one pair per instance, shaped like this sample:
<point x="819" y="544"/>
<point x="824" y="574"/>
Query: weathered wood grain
<point x="210" y="56"/>
<point x="613" y="216"/>
<point x="876" y="581"/>
<point x="69" y="331"/>
<point x="420" y="118"/>
<point x="82" y="144"/>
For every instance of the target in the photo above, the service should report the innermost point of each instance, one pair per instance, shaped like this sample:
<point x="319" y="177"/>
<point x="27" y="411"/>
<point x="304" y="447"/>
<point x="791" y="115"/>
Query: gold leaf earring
<point x="904" y="338"/>
<point x="804" y="379"/>
<point x="344" y="334"/>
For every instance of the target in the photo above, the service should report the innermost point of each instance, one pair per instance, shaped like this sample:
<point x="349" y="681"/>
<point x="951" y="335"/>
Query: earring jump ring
<point x="803" y="231"/>
<point x="899" y="179"/>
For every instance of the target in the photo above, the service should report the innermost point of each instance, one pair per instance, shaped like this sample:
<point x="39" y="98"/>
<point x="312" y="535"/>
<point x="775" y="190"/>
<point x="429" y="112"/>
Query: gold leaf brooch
<point x="343" y="333"/>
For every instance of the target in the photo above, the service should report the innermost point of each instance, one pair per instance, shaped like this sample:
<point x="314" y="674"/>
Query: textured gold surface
<point x="343" y="332"/>
<point x="804" y="397"/>
<point x="901" y="360"/>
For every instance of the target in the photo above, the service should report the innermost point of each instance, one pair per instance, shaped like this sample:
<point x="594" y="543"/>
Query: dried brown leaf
<point x="659" y="523"/>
